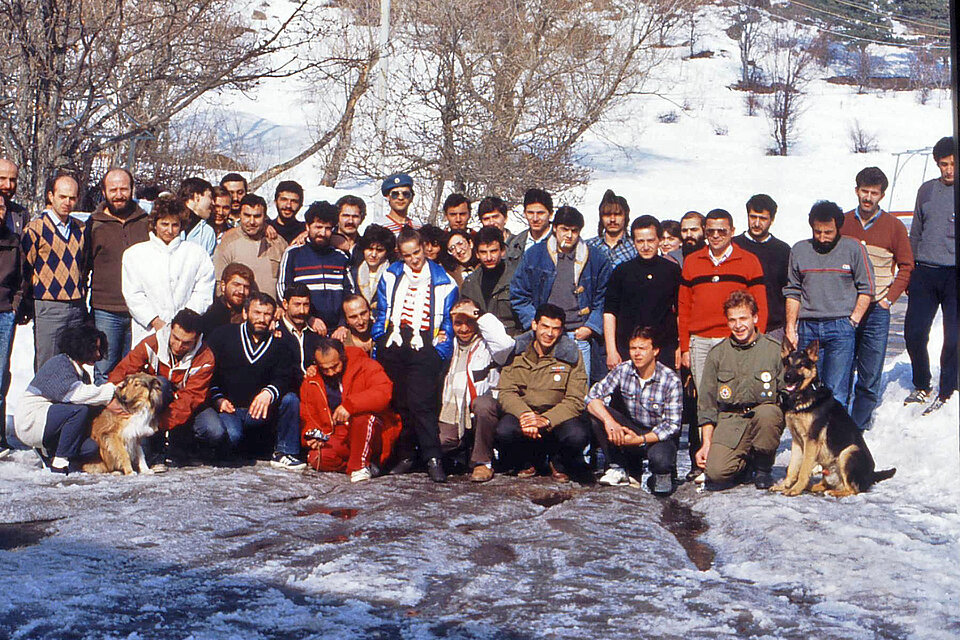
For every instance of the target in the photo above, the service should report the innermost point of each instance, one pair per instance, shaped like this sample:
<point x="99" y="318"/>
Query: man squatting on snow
<point x="309" y="342"/>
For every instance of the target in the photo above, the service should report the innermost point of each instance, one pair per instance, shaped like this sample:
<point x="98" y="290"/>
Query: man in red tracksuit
<point x="345" y="416"/>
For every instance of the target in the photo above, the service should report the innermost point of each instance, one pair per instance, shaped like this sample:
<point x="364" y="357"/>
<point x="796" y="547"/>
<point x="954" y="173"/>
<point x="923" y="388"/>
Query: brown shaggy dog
<point x="121" y="438"/>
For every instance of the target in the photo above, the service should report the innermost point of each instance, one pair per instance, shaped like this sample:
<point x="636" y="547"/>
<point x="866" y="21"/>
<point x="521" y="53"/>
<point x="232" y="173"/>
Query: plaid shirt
<point x="621" y="252"/>
<point x="658" y="406"/>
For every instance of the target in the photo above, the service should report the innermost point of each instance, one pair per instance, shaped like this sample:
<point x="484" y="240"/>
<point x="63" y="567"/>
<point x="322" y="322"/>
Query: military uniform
<point x="738" y="394"/>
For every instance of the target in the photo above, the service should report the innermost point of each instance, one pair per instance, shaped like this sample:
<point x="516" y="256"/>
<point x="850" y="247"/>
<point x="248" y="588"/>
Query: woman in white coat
<point x="165" y="274"/>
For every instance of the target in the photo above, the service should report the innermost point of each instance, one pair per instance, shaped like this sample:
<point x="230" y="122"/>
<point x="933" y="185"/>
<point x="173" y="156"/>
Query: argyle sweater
<point x="52" y="264"/>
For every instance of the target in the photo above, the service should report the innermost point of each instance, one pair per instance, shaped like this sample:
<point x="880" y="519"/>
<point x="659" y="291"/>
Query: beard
<point x="825" y="247"/>
<point x="122" y="212"/>
<point x="689" y="246"/>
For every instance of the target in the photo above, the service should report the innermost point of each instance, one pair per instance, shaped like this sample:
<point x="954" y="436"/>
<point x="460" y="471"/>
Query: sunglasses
<point x="397" y="195"/>
<point x="717" y="232"/>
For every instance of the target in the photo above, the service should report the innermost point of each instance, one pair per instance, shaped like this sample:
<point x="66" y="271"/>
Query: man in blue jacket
<point x="564" y="271"/>
<point x="414" y="335"/>
<point x="324" y="270"/>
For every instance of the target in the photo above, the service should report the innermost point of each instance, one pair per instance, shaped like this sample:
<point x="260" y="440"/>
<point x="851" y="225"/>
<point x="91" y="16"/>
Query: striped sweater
<point x="704" y="288"/>
<point x="326" y="273"/>
<point x="827" y="284"/>
<point x="53" y="265"/>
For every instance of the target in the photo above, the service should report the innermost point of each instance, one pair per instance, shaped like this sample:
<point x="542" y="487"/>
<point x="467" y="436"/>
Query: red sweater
<point x="704" y="288"/>
<point x="190" y="377"/>
<point x="888" y="247"/>
<point x="366" y="389"/>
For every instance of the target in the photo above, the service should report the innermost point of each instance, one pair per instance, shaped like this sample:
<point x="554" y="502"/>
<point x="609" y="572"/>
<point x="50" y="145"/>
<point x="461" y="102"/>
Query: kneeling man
<point x="738" y="399"/>
<point x="347" y="423"/>
<point x="638" y="407"/>
<point x="541" y="393"/>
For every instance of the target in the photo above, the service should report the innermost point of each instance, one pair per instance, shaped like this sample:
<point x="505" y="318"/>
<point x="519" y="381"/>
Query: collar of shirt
<point x="866" y="224"/>
<point x="296" y="333"/>
<point x="62" y="227"/>
<point x="749" y="237"/>
<point x="718" y="261"/>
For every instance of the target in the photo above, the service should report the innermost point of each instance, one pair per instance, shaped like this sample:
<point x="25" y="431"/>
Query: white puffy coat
<point x="158" y="280"/>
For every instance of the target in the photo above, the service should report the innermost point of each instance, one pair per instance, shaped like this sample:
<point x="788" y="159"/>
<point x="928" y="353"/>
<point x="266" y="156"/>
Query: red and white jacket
<point x="190" y="376"/>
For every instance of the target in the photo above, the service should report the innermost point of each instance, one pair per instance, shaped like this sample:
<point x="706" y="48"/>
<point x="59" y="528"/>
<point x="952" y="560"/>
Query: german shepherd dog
<point x="121" y="438"/>
<point x="823" y="433"/>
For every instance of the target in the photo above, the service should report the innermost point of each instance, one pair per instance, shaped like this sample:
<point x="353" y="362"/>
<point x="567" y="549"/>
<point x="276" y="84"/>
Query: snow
<point x="254" y="552"/>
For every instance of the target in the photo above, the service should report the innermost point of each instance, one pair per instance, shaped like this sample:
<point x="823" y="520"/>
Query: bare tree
<point x="84" y="78"/>
<point x="861" y="140"/>
<point x="928" y="72"/>
<point x="787" y="67"/>
<point x="505" y="90"/>
<point x="863" y="66"/>
<point x="747" y="31"/>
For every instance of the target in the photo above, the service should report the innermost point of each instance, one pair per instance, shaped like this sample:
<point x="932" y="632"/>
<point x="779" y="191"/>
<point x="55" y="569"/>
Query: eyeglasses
<point x="397" y="195"/>
<point x="717" y="232"/>
<point x="457" y="244"/>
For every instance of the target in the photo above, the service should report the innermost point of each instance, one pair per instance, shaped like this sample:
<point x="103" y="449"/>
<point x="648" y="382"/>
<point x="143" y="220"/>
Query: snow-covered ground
<point x="253" y="552"/>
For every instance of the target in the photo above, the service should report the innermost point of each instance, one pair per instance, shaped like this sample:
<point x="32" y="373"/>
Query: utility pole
<point x="384" y="64"/>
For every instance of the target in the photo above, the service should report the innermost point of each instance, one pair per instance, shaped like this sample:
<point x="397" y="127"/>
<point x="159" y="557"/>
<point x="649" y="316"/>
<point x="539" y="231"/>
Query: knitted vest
<point x="54" y="262"/>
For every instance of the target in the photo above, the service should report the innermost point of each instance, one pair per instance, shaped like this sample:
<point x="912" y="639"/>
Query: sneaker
<point x="614" y="477"/>
<point x="917" y="396"/>
<point x="360" y="475"/>
<point x="935" y="405"/>
<point x="287" y="462"/>
<point x="481" y="473"/>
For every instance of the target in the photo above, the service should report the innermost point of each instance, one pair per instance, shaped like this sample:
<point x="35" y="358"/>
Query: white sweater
<point x="158" y="280"/>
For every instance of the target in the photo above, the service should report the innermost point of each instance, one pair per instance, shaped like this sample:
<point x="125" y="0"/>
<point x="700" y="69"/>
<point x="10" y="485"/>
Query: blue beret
<point x="394" y="181"/>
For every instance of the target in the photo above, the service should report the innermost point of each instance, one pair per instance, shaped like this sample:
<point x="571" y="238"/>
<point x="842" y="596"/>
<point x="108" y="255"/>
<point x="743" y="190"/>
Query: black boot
<point x="435" y="470"/>
<point x="404" y="466"/>
<point x="763" y="479"/>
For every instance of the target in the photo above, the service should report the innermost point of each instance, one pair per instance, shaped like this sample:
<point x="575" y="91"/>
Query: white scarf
<point x="367" y="280"/>
<point x="422" y="282"/>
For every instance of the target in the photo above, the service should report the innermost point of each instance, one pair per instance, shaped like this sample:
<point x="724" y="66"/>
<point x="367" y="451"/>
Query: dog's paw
<point x="779" y="487"/>
<point x="793" y="491"/>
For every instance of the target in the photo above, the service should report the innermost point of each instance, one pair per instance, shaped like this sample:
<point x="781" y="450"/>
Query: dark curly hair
<point x="82" y="342"/>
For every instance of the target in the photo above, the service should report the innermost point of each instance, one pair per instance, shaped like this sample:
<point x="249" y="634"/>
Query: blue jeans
<point x="67" y="432"/>
<point x="871" y="349"/>
<point x="117" y="328"/>
<point x="837" y="340"/>
<point x="227" y="430"/>
<point x="584" y="347"/>
<point x="8" y="328"/>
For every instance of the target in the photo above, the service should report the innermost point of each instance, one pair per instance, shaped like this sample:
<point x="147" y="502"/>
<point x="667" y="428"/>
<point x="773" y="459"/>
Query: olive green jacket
<point x="553" y="386"/>
<point x="736" y="374"/>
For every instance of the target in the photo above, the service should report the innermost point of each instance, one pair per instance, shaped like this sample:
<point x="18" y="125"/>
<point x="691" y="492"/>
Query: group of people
<point x="460" y="349"/>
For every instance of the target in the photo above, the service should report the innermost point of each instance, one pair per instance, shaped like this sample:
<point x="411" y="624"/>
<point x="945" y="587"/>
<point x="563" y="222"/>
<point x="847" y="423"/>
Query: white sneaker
<point x="360" y="475"/>
<point x="614" y="477"/>
<point x="288" y="462"/>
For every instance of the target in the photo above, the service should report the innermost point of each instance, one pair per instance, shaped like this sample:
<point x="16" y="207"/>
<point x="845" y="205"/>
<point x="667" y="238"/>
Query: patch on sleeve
<point x="725" y="392"/>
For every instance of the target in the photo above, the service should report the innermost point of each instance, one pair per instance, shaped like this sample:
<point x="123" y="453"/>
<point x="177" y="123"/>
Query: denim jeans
<point x="584" y="347"/>
<point x="228" y="430"/>
<point x="117" y="328"/>
<point x="837" y="342"/>
<point x="8" y="328"/>
<point x="871" y="349"/>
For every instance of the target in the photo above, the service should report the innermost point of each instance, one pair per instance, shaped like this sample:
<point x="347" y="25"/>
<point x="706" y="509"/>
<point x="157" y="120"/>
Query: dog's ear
<point x="785" y="348"/>
<point x="813" y="350"/>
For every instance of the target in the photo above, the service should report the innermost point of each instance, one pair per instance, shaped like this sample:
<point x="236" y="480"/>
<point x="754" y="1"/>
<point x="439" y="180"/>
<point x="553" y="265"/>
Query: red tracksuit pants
<point x="351" y="446"/>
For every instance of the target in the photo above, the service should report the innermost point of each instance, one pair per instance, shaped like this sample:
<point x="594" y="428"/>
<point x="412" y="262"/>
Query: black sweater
<point x="644" y="293"/>
<point x="243" y="369"/>
<point x="774" y="257"/>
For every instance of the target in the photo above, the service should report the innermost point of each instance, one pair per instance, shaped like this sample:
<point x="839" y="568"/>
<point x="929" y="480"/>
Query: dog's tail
<point x="883" y="475"/>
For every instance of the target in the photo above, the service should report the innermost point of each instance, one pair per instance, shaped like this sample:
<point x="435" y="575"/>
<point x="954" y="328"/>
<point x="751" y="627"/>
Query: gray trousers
<point x="49" y="320"/>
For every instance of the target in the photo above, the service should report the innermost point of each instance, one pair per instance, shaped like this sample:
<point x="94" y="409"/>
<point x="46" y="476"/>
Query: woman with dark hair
<point x="462" y="261"/>
<point x="671" y="240"/>
<point x="53" y="416"/>
<point x="377" y="248"/>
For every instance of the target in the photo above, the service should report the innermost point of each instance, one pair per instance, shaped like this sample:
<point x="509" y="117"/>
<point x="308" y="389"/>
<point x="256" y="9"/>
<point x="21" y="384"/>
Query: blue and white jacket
<point x="443" y="295"/>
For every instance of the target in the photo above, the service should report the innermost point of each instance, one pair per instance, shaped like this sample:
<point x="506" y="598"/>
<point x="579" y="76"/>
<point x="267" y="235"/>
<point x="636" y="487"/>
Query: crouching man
<point x="175" y="354"/>
<point x="347" y="423"/>
<point x="738" y="393"/>
<point x="252" y="406"/>
<point x="468" y="402"/>
<point x="637" y="409"/>
<point x="541" y="393"/>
